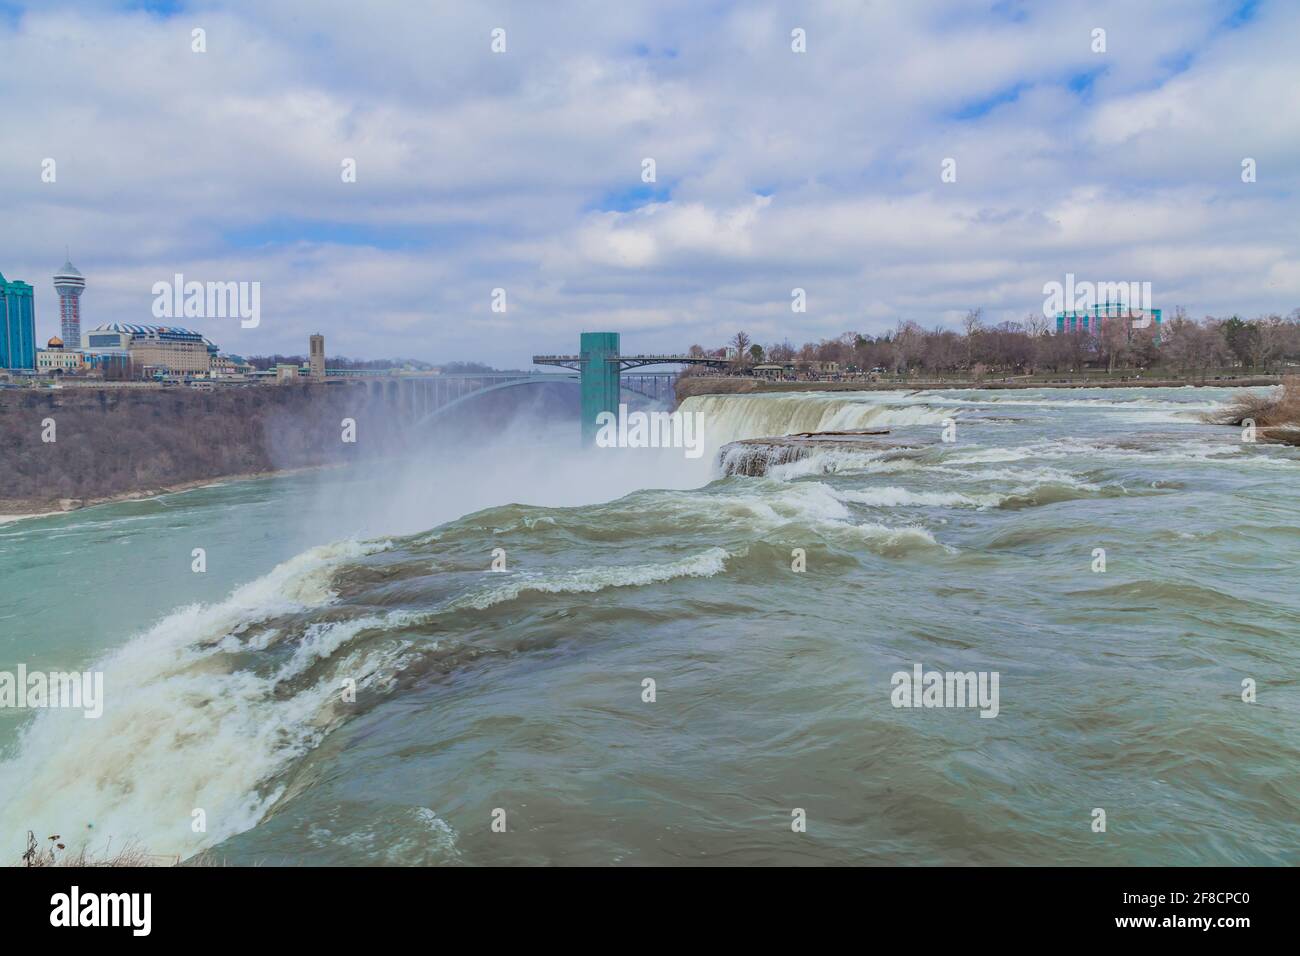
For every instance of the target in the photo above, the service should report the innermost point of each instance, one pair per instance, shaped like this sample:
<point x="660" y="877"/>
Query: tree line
<point x="1182" y="344"/>
<point x="264" y="362"/>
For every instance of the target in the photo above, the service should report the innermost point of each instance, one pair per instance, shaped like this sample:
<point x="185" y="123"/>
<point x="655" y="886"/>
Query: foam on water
<point x="589" y="580"/>
<point x="895" y="497"/>
<point x="181" y="730"/>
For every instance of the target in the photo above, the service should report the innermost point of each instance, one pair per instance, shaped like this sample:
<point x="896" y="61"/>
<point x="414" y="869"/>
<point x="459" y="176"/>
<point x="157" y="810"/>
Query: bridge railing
<point x="666" y="358"/>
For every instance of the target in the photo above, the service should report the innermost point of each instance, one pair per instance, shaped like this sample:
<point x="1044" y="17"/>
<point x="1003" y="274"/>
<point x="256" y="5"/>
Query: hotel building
<point x="17" y="325"/>
<point x="153" y="348"/>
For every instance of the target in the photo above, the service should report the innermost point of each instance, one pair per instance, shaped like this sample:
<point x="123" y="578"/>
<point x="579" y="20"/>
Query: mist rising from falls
<point x="534" y="457"/>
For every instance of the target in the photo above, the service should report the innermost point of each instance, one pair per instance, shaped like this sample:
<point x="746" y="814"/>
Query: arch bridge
<point x="421" y="398"/>
<point x="598" y="369"/>
<point x="601" y="365"/>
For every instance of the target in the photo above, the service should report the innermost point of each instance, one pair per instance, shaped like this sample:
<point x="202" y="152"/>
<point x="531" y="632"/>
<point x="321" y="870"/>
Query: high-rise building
<point x="17" y="325"/>
<point x="1093" y="321"/>
<point x="316" y="361"/>
<point x="69" y="283"/>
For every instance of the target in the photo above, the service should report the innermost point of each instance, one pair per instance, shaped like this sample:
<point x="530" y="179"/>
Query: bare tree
<point x="909" y="342"/>
<point x="972" y="324"/>
<point x="1181" y="343"/>
<point x="740" y="342"/>
<point x="781" y="353"/>
<point x="1036" y="325"/>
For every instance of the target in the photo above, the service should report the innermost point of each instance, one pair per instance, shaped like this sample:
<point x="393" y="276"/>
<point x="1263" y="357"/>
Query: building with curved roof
<point x="169" y="349"/>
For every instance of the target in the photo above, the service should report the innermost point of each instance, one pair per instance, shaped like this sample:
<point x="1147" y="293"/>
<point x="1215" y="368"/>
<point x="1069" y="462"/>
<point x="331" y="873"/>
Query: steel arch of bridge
<point x="453" y="390"/>
<point x="450" y="391"/>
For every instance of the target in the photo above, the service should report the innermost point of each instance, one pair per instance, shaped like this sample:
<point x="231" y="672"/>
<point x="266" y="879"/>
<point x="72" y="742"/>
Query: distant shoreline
<point x="726" y="385"/>
<point x="12" y="510"/>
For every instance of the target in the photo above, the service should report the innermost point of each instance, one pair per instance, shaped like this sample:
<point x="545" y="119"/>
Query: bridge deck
<point x="631" y="361"/>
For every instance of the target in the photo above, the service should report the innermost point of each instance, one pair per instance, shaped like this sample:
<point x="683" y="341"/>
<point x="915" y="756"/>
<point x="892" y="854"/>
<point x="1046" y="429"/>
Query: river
<point x="521" y="695"/>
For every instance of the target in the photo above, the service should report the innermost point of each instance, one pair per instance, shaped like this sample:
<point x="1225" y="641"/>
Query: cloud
<point x="522" y="170"/>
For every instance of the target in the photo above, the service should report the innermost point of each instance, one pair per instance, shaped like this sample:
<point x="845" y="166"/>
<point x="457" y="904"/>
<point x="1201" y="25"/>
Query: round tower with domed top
<point x="69" y="284"/>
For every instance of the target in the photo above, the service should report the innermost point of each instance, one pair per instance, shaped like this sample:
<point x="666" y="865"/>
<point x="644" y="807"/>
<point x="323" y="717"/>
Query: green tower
<point x="600" y="368"/>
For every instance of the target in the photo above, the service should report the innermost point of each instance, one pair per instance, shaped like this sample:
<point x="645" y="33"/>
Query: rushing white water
<point x="184" y="731"/>
<point x="732" y="417"/>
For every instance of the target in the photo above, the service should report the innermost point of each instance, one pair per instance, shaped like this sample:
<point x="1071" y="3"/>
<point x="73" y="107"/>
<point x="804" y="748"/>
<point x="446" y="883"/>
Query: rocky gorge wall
<point x="86" y="444"/>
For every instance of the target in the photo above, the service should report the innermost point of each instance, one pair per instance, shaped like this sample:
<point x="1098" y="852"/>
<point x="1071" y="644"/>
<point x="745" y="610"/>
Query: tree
<point x="741" y="345"/>
<point x="782" y="353"/>
<point x="1114" y="341"/>
<point x="909" y="341"/>
<point x="1182" y="343"/>
<point x="1267" y="342"/>
<point x="1036" y="325"/>
<point x="972" y="324"/>
<point x="1240" y="338"/>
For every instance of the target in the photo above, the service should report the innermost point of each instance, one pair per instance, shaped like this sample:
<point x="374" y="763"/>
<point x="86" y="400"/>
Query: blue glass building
<point x="17" y="325"/>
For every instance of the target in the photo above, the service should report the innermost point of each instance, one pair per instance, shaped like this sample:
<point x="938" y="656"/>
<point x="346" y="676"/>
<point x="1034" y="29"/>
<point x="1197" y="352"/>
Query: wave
<point x="1150" y="594"/>
<point x="1020" y="478"/>
<point x="894" y="497"/>
<point x="588" y="580"/>
<point x="1143" y="449"/>
<point x="183" y="729"/>
<point x="934" y="461"/>
<point x="894" y="538"/>
<point x="1109" y="400"/>
<point x="1022" y="496"/>
<point x="764" y="505"/>
<point x="211" y="707"/>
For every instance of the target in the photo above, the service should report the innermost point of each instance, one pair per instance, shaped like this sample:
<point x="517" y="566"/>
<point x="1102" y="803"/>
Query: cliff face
<point x="115" y="441"/>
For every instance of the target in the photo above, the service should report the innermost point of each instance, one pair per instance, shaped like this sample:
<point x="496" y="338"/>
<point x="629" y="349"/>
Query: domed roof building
<point x="57" y="359"/>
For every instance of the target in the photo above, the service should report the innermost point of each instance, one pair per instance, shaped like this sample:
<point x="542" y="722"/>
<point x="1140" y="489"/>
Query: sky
<point x="523" y="170"/>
